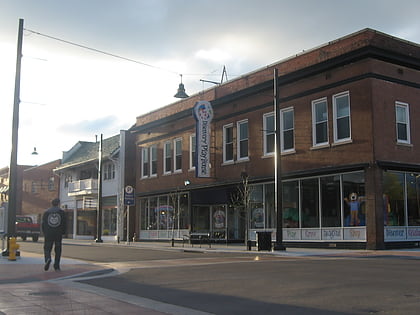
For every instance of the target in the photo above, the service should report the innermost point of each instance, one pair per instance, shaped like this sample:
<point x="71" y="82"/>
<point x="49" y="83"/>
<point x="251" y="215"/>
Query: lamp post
<point x="13" y="169"/>
<point x="277" y="183"/>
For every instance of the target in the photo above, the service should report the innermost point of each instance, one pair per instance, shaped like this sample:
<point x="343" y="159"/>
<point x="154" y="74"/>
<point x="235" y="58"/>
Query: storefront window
<point x="153" y="224"/>
<point x="413" y="199"/>
<point x="256" y="207"/>
<point x="165" y="213"/>
<point x="394" y="199"/>
<point x="86" y="222"/>
<point x="183" y="212"/>
<point x="270" y="205"/>
<point x="310" y="203"/>
<point x="291" y="204"/>
<point x="109" y="226"/>
<point x="354" y="199"/>
<point x="330" y="201"/>
<point x="143" y="214"/>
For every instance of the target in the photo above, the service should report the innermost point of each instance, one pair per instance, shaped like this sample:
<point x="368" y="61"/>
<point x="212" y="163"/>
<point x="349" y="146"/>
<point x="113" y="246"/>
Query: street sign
<point x="129" y="199"/>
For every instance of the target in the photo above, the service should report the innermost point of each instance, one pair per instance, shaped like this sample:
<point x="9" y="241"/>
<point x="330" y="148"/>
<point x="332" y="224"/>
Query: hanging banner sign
<point x="203" y="114"/>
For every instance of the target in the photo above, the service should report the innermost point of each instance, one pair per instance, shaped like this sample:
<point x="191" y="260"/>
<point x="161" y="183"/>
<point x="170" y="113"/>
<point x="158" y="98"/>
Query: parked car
<point x="25" y="227"/>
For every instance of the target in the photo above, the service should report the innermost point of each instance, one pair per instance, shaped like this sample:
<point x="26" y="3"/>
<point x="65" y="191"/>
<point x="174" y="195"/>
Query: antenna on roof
<point x="224" y="74"/>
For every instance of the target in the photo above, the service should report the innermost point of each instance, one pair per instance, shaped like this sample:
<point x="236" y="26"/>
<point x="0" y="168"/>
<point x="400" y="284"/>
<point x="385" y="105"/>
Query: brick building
<point x="349" y="152"/>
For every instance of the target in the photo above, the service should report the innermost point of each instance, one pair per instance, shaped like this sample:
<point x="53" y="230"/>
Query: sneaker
<point x="47" y="264"/>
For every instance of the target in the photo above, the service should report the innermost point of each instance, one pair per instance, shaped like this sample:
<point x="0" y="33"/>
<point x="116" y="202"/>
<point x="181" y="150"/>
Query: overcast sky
<point x="70" y="94"/>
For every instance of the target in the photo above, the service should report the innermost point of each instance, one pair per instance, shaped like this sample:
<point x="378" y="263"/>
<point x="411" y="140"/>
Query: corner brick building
<point x="350" y="152"/>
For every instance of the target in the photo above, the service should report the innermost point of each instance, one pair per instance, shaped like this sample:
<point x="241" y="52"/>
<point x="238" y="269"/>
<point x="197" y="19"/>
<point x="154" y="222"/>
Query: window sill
<point x="320" y="146"/>
<point x="288" y="152"/>
<point x="403" y="144"/>
<point x="228" y="163"/>
<point x="349" y="141"/>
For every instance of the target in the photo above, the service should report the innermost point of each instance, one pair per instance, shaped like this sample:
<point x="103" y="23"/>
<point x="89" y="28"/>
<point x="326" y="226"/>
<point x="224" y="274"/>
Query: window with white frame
<point x="177" y="155"/>
<point x="320" y="122"/>
<point x="402" y="119"/>
<point x="153" y="160"/>
<point x="193" y="158"/>
<point x="167" y="157"/>
<point x="109" y="171"/>
<point x="242" y="131"/>
<point x="145" y="162"/>
<point x="228" y="143"/>
<point x="287" y="129"/>
<point x="269" y="133"/>
<point x="342" y="122"/>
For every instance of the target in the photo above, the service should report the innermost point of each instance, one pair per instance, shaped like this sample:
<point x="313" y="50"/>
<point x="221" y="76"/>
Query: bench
<point x="195" y="237"/>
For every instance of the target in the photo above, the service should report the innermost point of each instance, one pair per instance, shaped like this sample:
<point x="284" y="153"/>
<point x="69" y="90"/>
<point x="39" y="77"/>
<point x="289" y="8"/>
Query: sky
<point x="138" y="50"/>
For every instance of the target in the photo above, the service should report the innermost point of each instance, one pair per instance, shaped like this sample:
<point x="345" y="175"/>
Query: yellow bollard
<point x="13" y="247"/>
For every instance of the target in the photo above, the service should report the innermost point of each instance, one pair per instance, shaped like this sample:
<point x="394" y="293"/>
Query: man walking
<point x="53" y="226"/>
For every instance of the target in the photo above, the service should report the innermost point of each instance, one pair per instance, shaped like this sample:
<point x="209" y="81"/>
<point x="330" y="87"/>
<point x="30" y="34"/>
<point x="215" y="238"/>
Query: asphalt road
<point x="234" y="283"/>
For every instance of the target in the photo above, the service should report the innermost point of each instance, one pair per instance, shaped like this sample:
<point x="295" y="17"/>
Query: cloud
<point x="104" y="125"/>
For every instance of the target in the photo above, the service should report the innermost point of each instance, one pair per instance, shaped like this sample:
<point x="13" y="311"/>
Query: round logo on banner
<point x="54" y="220"/>
<point x="203" y="111"/>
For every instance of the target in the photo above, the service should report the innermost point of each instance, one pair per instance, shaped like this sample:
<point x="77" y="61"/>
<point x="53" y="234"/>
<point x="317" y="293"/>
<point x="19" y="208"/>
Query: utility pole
<point x="278" y="185"/>
<point x="99" y="214"/>
<point x="13" y="169"/>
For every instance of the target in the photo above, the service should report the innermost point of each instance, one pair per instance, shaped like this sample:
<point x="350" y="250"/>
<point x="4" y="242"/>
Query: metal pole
<point x="99" y="214"/>
<point x="13" y="169"/>
<point x="278" y="185"/>
<point x="128" y="224"/>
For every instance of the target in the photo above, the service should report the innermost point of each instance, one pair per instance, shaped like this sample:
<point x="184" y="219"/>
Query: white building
<point x="79" y="188"/>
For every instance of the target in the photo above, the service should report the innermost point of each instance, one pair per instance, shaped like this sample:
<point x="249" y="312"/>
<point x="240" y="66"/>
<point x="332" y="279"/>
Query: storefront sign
<point x="395" y="234"/>
<point x="291" y="234"/>
<point x="413" y="233"/>
<point x="331" y="234"/>
<point x="311" y="234"/>
<point x="203" y="114"/>
<point x="355" y="234"/>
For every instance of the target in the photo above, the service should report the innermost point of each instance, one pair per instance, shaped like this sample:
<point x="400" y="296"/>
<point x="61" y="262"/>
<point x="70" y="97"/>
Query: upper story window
<point x="153" y="160"/>
<point x="228" y="143"/>
<point x="242" y="138"/>
<point x="320" y="122"/>
<point x="149" y="161"/>
<point x="193" y="157"/>
<point x="109" y="171"/>
<point x="342" y="121"/>
<point x="178" y="155"/>
<point x="269" y="133"/>
<point x="402" y="119"/>
<point x="33" y="187"/>
<point x="167" y="157"/>
<point x="51" y="182"/>
<point x="145" y="162"/>
<point x="287" y="129"/>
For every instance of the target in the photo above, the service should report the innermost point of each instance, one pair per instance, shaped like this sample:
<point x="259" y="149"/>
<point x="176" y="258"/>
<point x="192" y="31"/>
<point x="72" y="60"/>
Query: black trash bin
<point x="264" y="241"/>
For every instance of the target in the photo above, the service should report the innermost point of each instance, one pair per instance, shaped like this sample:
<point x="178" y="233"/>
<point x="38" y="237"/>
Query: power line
<point x="100" y="51"/>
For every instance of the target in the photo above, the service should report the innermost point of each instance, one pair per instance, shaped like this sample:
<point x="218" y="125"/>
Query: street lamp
<point x="278" y="185"/>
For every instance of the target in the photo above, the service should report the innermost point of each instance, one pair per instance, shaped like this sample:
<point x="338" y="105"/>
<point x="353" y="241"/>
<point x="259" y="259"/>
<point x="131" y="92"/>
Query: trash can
<point x="264" y="241"/>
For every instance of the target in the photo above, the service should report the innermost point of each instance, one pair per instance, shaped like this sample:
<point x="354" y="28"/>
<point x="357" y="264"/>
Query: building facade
<point x="349" y="157"/>
<point x="79" y="190"/>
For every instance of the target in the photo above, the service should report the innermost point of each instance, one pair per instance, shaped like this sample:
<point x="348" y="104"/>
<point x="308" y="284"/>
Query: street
<point x="257" y="282"/>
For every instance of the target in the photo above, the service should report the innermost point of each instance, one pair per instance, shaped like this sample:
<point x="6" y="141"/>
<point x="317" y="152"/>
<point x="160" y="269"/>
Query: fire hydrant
<point x="13" y="247"/>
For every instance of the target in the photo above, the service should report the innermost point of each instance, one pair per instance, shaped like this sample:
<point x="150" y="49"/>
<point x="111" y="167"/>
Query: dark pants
<point x="48" y="245"/>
